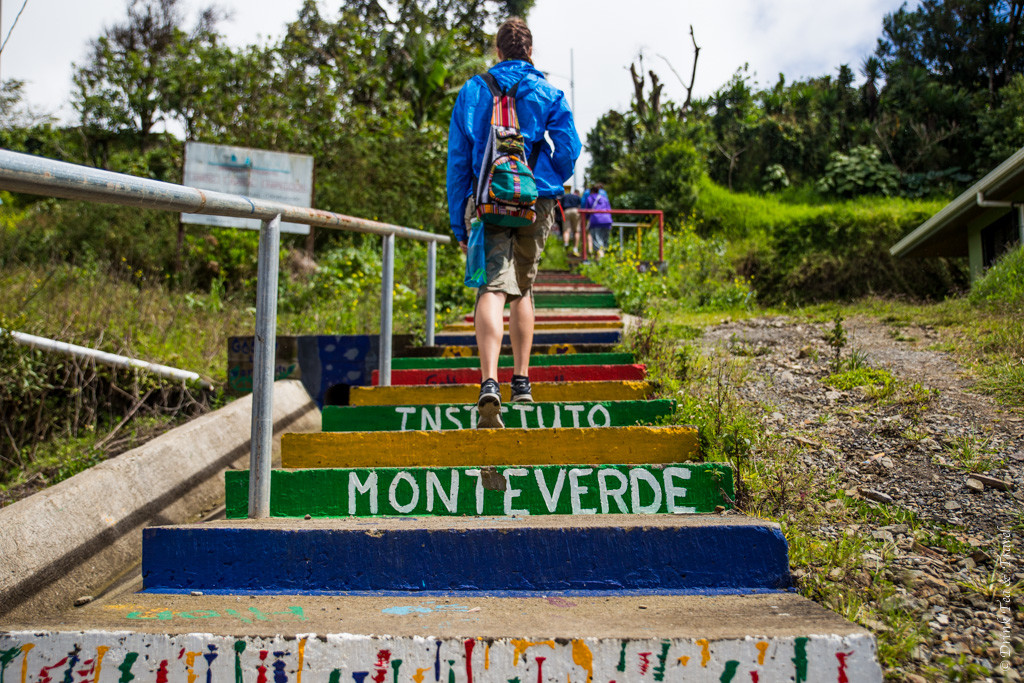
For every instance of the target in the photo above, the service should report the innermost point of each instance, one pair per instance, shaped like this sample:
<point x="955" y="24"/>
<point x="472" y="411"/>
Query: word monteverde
<point x="491" y="491"/>
<point x="514" y="415"/>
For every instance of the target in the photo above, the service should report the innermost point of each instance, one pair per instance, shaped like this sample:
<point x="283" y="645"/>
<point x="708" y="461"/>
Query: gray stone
<point x="883" y="535"/>
<point x="994" y="482"/>
<point x="876" y="496"/>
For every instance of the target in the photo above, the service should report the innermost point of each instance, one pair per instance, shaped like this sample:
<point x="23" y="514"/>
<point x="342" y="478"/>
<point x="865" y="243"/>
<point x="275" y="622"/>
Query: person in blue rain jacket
<point x="513" y="253"/>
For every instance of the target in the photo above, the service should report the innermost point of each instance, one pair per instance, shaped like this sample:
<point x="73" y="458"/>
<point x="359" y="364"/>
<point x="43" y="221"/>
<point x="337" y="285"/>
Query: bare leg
<point x="490" y="328"/>
<point x="521" y="332"/>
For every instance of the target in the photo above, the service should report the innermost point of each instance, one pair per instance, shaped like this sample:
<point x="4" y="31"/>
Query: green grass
<point x="774" y="484"/>
<point x="986" y="340"/>
<point x="127" y="313"/>
<point x="862" y="377"/>
<point x="1003" y="284"/>
<point x="970" y="454"/>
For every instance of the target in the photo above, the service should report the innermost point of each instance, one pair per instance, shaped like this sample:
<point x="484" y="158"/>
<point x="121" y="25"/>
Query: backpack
<point x="506" y="191"/>
<point x="601" y="203"/>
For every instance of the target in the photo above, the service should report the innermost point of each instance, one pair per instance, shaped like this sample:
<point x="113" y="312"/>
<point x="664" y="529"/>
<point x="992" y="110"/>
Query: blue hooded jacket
<point x="541" y="108"/>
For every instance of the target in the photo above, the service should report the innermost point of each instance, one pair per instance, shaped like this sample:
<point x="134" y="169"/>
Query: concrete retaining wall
<point x="78" y="536"/>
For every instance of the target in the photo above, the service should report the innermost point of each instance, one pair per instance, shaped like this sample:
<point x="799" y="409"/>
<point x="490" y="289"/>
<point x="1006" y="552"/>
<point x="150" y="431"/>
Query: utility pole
<point x="2" y="37"/>
<point x="572" y="96"/>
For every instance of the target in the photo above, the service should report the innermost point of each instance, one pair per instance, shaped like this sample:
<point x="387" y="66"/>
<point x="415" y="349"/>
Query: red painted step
<point x="555" y="373"/>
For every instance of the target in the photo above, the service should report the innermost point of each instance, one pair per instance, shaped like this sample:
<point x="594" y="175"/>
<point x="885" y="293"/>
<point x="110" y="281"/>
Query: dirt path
<point x="914" y="451"/>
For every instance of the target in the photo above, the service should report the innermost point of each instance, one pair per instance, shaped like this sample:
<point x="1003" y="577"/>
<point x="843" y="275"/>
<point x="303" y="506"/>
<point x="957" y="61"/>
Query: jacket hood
<point x="512" y="71"/>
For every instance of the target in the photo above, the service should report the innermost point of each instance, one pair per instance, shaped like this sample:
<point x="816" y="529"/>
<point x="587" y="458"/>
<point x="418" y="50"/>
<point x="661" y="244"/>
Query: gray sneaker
<point x="489" y="406"/>
<point x="521" y="389"/>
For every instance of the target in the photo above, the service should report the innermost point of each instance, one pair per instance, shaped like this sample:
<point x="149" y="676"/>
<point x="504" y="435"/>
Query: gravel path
<point x="914" y="455"/>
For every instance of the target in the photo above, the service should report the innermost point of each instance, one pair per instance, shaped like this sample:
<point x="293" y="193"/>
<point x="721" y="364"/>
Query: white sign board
<point x="256" y="173"/>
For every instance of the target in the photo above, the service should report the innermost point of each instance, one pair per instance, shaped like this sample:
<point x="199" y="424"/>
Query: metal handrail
<point x="40" y="176"/>
<point x="111" y="359"/>
<point x="37" y="175"/>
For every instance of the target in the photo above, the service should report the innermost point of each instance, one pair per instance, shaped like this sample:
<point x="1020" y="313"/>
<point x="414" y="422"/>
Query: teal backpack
<point x="506" y="191"/>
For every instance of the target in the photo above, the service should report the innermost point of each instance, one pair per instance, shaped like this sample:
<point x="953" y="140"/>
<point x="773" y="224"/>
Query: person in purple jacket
<point x="599" y="225"/>
<point x="513" y="254"/>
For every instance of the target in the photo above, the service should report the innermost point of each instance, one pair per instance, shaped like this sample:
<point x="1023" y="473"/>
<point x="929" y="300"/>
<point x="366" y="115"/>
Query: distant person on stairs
<point x="513" y="254"/>
<point x="571" y="204"/>
<point x="599" y="225"/>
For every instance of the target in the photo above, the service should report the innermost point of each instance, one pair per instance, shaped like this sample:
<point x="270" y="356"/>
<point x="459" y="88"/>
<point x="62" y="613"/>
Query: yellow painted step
<point x="432" y="394"/>
<point x="595" y="325"/>
<point x="494" y="447"/>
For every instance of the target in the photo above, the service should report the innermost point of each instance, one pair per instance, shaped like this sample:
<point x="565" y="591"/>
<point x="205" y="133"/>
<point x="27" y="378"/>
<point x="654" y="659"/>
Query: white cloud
<point x="800" y="38"/>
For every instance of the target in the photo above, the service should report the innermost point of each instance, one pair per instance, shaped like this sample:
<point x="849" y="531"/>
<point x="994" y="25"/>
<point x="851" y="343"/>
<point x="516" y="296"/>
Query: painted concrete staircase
<point x="579" y="544"/>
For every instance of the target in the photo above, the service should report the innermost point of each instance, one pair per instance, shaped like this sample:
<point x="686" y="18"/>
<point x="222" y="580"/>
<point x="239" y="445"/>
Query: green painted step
<point x="463" y="416"/>
<point x="506" y="361"/>
<point x="574" y="300"/>
<point x="489" y="491"/>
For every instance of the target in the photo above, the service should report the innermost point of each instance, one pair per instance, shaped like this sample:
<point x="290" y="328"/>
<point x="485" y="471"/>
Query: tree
<point x="871" y="70"/>
<point x="970" y="44"/>
<point x="608" y="142"/>
<point x="945" y="65"/>
<point x="123" y="89"/>
<point x="734" y="118"/>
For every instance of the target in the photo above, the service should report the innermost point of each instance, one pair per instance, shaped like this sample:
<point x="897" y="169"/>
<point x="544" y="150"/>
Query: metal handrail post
<point x="264" y="358"/>
<point x="431" y="291"/>
<point x="387" y="291"/>
<point x="661" y="237"/>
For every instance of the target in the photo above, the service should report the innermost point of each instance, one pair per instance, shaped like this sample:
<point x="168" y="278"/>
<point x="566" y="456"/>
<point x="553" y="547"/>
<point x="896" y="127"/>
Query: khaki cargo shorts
<point x="513" y="254"/>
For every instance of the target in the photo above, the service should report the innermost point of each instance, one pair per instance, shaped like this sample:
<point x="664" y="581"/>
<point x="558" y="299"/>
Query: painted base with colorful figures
<point x="585" y="543"/>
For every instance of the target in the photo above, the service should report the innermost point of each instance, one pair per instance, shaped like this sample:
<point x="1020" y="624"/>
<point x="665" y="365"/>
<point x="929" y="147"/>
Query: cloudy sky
<point x="797" y="37"/>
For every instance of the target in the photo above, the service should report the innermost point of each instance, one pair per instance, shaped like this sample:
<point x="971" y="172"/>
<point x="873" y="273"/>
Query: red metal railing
<point x="629" y="212"/>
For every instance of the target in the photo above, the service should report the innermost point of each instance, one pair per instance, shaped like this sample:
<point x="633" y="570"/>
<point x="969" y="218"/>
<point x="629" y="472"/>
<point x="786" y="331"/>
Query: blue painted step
<point x="504" y="555"/>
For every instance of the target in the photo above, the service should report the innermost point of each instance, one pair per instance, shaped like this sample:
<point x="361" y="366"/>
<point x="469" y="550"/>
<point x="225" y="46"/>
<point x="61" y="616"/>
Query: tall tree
<point x="122" y="88"/>
<point x="970" y="44"/>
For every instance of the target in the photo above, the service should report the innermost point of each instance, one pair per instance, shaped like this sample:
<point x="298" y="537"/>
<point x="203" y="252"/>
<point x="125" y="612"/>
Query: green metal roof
<point x="945" y="233"/>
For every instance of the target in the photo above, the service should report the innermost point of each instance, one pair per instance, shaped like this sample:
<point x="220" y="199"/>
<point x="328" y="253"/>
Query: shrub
<point x="775" y="178"/>
<point x="802" y="252"/>
<point x="860" y="172"/>
<point x="1003" y="284"/>
<point x="697" y="273"/>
